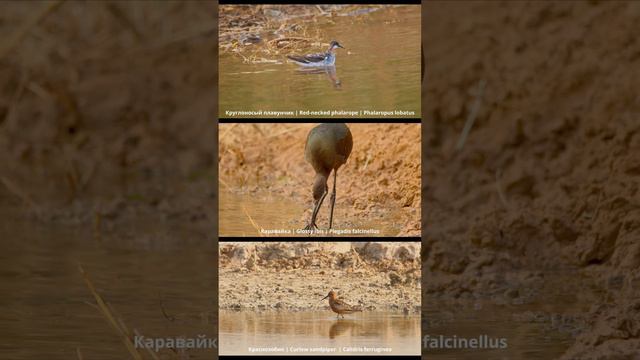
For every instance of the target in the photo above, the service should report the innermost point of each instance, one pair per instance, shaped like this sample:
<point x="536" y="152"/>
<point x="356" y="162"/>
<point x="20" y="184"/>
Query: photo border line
<point x="319" y="239"/>
<point x="323" y="120"/>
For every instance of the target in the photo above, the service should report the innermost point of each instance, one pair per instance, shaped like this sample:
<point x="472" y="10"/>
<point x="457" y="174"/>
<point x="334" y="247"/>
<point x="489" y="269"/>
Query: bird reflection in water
<point x="329" y="71"/>
<point x="340" y="327"/>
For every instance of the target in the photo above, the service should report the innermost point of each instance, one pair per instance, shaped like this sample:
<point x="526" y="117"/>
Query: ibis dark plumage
<point x="328" y="147"/>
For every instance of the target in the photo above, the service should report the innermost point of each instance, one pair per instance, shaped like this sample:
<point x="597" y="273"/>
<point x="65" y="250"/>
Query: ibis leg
<point x="333" y="197"/>
<point x="316" y="209"/>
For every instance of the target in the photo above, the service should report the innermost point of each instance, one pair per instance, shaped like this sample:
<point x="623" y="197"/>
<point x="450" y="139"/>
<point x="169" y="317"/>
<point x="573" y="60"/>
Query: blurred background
<point x="530" y="214"/>
<point x="530" y="183"/>
<point x="107" y="143"/>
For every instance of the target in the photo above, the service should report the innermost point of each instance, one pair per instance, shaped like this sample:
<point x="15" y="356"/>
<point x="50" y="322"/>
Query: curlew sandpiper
<point x="339" y="306"/>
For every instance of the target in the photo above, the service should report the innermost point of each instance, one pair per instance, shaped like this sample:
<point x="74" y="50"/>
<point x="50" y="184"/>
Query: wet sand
<point x="296" y="276"/>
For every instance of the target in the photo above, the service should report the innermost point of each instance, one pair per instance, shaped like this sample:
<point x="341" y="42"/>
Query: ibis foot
<point x="311" y="226"/>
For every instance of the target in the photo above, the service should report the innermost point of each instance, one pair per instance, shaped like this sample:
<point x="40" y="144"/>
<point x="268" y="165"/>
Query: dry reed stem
<point x="151" y="353"/>
<point x="124" y="20"/>
<point x="258" y="129"/>
<point x="366" y="162"/>
<point x="39" y="91"/>
<point x="14" y="189"/>
<point x="291" y="38"/>
<point x="472" y="116"/>
<point x="16" y="96"/>
<point x="72" y="173"/>
<point x="92" y="305"/>
<point x="164" y="311"/>
<point x="501" y="194"/>
<point x="599" y="201"/>
<point x="23" y="30"/>
<point x="252" y="222"/>
<point x="227" y="132"/>
<point x="282" y="132"/>
<point x="85" y="180"/>
<point x="97" y="221"/>
<point x="224" y="183"/>
<point x="104" y="310"/>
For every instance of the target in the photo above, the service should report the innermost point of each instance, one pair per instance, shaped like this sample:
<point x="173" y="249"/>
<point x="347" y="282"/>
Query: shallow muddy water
<point x="379" y="69"/>
<point x="49" y="313"/>
<point x="293" y="333"/>
<point x="528" y="330"/>
<point x="236" y="213"/>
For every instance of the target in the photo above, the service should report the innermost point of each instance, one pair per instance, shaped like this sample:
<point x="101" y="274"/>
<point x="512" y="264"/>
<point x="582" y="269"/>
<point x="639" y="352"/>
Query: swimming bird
<point x="327" y="58"/>
<point x="339" y="306"/>
<point x="327" y="148"/>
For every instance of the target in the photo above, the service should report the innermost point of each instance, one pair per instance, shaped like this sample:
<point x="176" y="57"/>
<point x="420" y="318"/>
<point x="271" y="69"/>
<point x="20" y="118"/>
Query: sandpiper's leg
<point x="312" y="224"/>
<point x="333" y="197"/>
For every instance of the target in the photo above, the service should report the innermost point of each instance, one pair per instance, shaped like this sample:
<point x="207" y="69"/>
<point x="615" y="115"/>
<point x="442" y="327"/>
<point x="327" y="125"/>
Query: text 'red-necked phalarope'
<point x="327" y="58"/>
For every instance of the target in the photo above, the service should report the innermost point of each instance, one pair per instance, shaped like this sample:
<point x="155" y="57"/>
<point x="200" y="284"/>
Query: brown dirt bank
<point x="295" y="276"/>
<point x="105" y="111"/>
<point x="106" y="140"/>
<point x="381" y="175"/>
<point x="548" y="177"/>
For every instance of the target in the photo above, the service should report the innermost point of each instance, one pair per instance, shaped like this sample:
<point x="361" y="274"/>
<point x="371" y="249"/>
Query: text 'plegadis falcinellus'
<point x="328" y="147"/>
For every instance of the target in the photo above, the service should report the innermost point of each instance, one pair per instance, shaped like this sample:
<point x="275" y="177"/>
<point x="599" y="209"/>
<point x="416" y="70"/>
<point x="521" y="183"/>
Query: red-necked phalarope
<point x="327" y="58"/>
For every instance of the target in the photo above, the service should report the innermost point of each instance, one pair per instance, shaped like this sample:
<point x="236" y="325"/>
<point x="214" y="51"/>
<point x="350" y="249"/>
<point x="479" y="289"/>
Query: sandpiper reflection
<point x="340" y="327"/>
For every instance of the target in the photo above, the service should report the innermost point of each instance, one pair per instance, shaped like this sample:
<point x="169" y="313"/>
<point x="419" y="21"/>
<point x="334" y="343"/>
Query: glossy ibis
<point x="328" y="147"/>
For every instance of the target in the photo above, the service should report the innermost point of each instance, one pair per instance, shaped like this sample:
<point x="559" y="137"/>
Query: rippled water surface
<point x="379" y="69"/>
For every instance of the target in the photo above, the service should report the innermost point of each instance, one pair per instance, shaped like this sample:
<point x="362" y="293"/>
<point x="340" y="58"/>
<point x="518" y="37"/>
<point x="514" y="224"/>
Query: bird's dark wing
<point x="311" y="58"/>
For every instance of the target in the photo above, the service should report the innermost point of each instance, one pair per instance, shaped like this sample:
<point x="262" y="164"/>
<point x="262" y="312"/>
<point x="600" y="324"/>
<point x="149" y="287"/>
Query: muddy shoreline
<point x="296" y="276"/>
